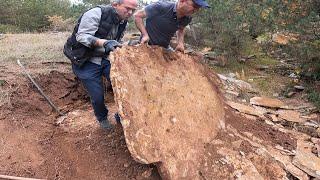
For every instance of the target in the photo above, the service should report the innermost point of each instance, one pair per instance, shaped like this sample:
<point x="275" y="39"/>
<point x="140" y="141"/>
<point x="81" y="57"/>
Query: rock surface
<point x="169" y="106"/>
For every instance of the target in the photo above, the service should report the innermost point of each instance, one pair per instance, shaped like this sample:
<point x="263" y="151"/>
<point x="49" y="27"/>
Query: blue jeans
<point x="90" y="75"/>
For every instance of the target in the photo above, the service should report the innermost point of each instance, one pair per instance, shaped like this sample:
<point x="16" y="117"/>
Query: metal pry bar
<point x="39" y="89"/>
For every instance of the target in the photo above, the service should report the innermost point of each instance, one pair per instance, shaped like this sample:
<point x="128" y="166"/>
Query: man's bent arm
<point x="88" y="27"/>
<point x="138" y="19"/>
<point x="180" y="39"/>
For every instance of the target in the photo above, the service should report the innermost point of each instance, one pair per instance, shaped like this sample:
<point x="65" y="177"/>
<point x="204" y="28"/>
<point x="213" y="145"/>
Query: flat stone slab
<point x="170" y="108"/>
<point x="267" y="102"/>
<point x="245" y="109"/>
<point x="290" y="115"/>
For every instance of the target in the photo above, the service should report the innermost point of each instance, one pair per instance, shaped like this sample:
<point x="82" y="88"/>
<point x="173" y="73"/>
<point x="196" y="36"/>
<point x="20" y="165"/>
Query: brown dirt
<point x="32" y="146"/>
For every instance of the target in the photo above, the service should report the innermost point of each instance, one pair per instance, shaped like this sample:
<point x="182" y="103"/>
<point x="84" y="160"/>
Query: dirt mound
<point x="32" y="146"/>
<point x="63" y="89"/>
<point x="171" y="112"/>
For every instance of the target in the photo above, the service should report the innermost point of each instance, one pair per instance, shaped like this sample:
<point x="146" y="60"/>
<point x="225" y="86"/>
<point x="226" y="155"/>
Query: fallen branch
<point x="39" y="89"/>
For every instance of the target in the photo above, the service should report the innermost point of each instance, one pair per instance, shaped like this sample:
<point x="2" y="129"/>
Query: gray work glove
<point x="111" y="45"/>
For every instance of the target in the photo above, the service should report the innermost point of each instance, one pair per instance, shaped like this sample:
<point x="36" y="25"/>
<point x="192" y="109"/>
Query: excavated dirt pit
<point x="31" y="145"/>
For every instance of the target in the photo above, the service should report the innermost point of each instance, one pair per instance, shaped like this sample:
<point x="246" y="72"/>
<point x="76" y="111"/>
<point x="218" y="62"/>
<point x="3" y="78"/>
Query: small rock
<point x="251" y="56"/>
<point x="147" y="173"/>
<point x="311" y="124"/>
<point x="189" y="51"/>
<point x="223" y="161"/>
<point x="232" y="92"/>
<point x="232" y="75"/>
<point x="275" y="94"/>
<point x="262" y="67"/>
<point x="173" y="120"/>
<point x="125" y="165"/>
<point x="238" y="174"/>
<point x="315" y="140"/>
<point x="242" y="60"/>
<point x="242" y="153"/>
<point x="133" y="42"/>
<point x="300" y="88"/>
<point x="269" y="122"/>
<point x="210" y="55"/>
<point x="314" y="150"/>
<point x="293" y="75"/>
<point x="248" y="134"/>
<point x="290" y="94"/>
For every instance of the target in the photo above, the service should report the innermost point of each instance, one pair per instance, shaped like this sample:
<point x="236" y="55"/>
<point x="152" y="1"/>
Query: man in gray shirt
<point x="98" y="32"/>
<point x="164" y="19"/>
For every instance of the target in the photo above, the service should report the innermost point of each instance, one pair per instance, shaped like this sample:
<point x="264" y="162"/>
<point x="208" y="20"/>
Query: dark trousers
<point x="90" y="75"/>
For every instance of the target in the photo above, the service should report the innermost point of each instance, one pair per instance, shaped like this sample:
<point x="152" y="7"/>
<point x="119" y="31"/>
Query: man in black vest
<point x="98" y="32"/>
<point x="164" y="19"/>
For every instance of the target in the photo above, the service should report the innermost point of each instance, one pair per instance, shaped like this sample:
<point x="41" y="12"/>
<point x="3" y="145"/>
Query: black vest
<point x="79" y="53"/>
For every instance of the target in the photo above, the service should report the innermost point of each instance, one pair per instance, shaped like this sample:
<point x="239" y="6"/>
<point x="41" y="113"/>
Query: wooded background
<point x="231" y="28"/>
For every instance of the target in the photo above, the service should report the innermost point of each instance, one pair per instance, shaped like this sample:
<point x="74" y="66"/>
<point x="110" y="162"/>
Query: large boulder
<point x="170" y="108"/>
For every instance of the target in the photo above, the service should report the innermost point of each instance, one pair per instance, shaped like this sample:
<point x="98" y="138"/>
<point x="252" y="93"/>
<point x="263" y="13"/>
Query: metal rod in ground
<point x="39" y="89"/>
<point x="16" y="178"/>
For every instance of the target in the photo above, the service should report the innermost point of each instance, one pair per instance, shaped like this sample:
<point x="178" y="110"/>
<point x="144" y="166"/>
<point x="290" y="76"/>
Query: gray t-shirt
<point x="162" y="22"/>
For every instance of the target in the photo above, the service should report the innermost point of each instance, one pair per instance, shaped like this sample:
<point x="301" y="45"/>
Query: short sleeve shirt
<point x="162" y="22"/>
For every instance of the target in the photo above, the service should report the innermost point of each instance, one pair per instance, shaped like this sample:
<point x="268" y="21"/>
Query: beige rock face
<point x="169" y="106"/>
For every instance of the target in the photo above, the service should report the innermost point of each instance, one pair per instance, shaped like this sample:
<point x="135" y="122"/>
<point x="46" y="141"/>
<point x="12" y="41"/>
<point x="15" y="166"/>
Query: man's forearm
<point x="139" y="23"/>
<point x="180" y="36"/>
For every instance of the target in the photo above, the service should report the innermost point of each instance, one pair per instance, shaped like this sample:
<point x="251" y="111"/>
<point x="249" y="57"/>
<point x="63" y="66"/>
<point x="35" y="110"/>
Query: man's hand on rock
<point x="145" y="39"/>
<point x="180" y="47"/>
<point x="111" y="45"/>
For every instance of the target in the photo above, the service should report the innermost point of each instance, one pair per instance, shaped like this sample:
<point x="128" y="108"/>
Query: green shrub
<point x="314" y="97"/>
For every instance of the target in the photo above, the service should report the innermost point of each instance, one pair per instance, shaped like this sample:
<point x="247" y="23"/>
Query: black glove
<point x="110" y="45"/>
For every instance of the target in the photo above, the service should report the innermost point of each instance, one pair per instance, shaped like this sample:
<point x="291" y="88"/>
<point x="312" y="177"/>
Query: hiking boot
<point x="104" y="124"/>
